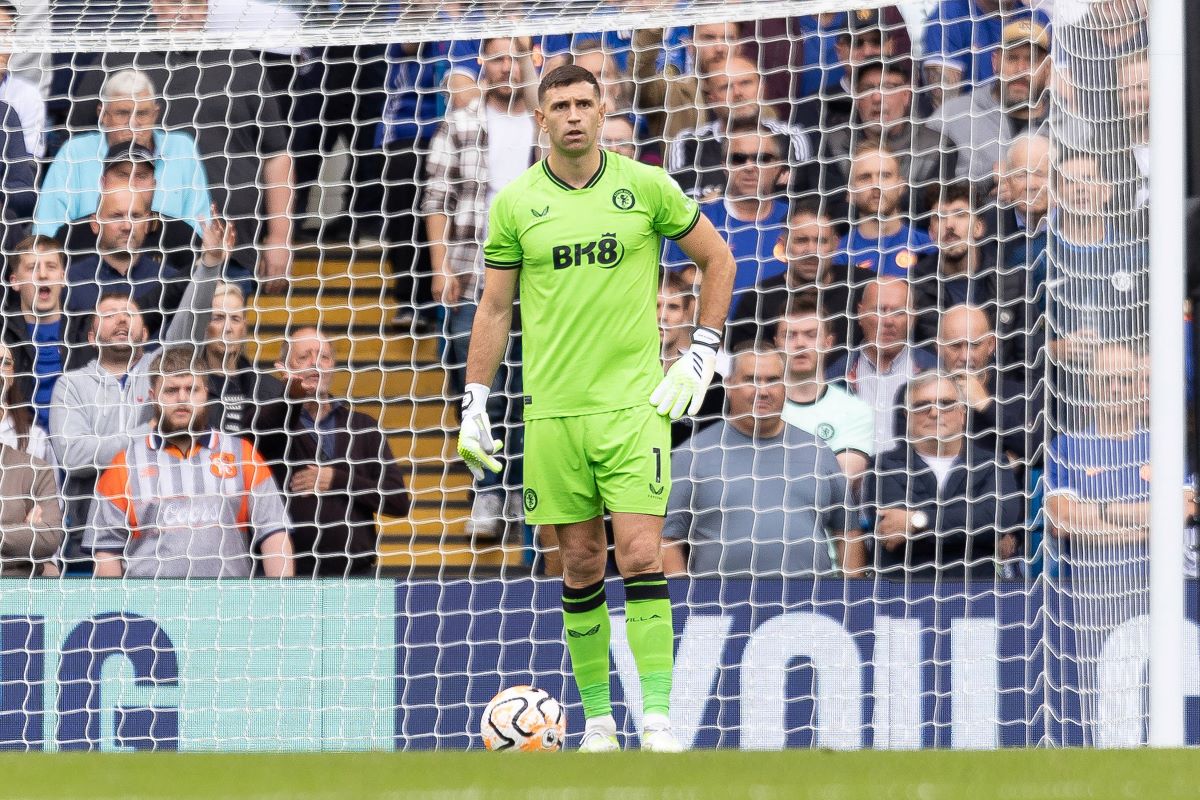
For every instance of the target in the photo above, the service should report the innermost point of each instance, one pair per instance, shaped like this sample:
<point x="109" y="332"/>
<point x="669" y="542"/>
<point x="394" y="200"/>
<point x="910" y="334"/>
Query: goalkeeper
<point x="582" y="230"/>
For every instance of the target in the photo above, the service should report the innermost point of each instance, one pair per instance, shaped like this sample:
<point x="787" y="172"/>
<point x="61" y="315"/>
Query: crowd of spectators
<point x="932" y="253"/>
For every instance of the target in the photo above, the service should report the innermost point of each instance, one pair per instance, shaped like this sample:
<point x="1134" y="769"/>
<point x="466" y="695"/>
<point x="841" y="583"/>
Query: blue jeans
<point x="504" y="404"/>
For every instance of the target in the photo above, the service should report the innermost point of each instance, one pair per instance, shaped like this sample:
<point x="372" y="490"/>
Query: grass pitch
<point x="723" y="775"/>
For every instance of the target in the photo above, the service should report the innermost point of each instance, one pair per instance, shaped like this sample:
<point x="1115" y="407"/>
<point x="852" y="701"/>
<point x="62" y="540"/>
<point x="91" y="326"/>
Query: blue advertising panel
<point x="773" y="664"/>
<point x="379" y="665"/>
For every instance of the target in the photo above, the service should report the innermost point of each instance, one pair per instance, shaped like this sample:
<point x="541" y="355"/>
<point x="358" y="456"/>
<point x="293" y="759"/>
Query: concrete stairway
<point x="398" y="380"/>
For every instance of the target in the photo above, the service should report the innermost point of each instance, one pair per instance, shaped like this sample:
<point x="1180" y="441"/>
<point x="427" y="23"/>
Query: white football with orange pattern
<point x="526" y="719"/>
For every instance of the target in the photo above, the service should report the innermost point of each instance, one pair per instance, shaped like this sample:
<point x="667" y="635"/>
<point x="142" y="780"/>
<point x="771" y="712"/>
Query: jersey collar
<point x="155" y="441"/>
<point x="592" y="181"/>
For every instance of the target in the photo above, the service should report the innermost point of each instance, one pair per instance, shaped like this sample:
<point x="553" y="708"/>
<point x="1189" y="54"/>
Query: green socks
<point x="651" y="640"/>
<point x="585" y="618"/>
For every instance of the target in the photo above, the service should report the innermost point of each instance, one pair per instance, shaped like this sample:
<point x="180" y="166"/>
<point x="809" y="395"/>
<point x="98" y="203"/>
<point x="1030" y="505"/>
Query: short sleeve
<point x="860" y="431"/>
<point x="836" y="512"/>
<point x="1058" y="474"/>
<point x="677" y="526"/>
<point x="503" y="247"/>
<point x="109" y="519"/>
<point x="675" y="214"/>
<point x="262" y="505"/>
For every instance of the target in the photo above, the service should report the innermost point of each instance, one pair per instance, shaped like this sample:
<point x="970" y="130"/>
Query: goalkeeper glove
<point x="682" y="389"/>
<point x="475" y="443"/>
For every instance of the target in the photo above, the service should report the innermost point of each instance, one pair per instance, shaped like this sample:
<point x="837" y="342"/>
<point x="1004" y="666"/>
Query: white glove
<point x="682" y="389"/>
<point x="476" y="446"/>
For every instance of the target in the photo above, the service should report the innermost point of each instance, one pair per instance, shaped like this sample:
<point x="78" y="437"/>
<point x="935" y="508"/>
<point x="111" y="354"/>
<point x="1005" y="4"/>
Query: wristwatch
<point x="920" y="521"/>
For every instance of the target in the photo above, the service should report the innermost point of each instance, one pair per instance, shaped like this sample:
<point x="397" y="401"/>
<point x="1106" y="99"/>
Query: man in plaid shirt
<point x="479" y="150"/>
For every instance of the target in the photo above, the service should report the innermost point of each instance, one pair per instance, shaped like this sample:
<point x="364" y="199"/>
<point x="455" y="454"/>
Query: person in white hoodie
<point x="98" y="409"/>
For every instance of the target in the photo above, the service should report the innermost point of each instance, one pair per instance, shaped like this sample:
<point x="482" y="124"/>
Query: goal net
<point x="243" y="257"/>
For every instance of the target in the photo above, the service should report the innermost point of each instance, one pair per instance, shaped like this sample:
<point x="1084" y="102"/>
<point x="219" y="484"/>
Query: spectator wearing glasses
<point x="941" y="508"/>
<point x="752" y="215"/>
<point x="732" y="94"/>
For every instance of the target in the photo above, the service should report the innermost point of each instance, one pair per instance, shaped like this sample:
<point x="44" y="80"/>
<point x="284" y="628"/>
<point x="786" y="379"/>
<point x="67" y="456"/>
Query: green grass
<point x="724" y="775"/>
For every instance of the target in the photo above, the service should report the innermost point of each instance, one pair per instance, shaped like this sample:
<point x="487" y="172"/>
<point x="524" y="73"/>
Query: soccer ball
<point x="524" y="718"/>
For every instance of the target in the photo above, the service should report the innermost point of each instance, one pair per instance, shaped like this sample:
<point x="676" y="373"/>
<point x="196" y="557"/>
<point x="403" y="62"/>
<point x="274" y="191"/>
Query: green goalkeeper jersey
<point x="589" y="261"/>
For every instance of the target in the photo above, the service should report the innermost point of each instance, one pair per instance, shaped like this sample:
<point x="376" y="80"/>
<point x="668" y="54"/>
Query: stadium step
<point x="399" y="381"/>
<point x="361" y="350"/>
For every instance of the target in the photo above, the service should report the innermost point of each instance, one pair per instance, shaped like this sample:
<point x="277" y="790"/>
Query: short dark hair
<point x="566" y="75"/>
<point x="124" y="297"/>
<point x="177" y="359"/>
<point x="802" y="304"/>
<point x="673" y="283"/>
<point x="754" y="128"/>
<point x="952" y="192"/>
<point x="809" y="207"/>
<point x="10" y="9"/>
<point x="895" y="66"/>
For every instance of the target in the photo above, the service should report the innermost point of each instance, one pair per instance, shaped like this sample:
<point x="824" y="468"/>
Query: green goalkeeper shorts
<point x="576" y="467"/>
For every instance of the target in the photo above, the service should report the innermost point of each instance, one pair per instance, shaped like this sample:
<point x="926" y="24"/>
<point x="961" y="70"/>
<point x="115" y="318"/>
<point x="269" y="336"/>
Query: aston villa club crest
<point x="623" y="199"/>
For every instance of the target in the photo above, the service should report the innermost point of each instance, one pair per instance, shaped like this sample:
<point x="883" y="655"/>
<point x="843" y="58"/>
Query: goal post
<point x="1169" y="343"/>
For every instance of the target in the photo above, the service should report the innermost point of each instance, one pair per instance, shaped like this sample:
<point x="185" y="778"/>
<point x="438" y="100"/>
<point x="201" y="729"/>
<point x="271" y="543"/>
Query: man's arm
<point x="1072" y="518"/>
<point x="267" y="515"/>
<point x="704" y="246"/>
<point x="37" y="537"/>
<point x="277" y="556"/>
<point x="435" y="202"/>
<point x="854" y="464"/>
<point x="195" y="309"/>
<point x="107" y="564"/>
<point x="107" y="531"/>
<point x="674" y="559"/>
<point x="77" y="446"/>
<point x="493" y="320"/>
<point x="277" y="197"/>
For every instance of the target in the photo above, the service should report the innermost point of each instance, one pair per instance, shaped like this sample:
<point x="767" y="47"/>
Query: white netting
<point x="913" y="507"/>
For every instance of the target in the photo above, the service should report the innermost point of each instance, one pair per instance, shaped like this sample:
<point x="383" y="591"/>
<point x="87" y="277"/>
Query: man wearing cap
<point x="131" y="166"/>
<point x="961" y="36"/>
<point x="1017" y="100"/>
<point x="883" y="116"/>
<point x="129" y="132"/>
<point x="120" y="263"/>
